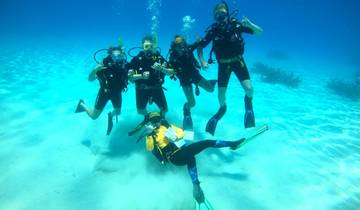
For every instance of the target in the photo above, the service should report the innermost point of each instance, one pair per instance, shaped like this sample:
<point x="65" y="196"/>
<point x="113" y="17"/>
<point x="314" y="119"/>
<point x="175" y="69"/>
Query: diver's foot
<point x="79" y="107"/>
<point x="198" y="193"/>
<point x="110" y="124"/>
<point x="211" y="125"/>
<point x="236" y="144"/>
<point x="187" y="122"/>
<point x="249" y="119"/>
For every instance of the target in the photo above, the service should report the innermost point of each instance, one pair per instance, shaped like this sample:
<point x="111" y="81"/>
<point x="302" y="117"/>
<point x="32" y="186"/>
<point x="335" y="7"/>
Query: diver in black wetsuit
<point x="186" y="67"/>
<point x="228" y="46"/>
<point x="112" y="76"/>
<point x="168" y="144"/>
<point x="148" y="70"/>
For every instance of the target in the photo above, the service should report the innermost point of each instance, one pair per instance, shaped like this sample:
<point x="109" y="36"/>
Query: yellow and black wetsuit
<point x="166" y="150"/>
<point x="160" y="145"/>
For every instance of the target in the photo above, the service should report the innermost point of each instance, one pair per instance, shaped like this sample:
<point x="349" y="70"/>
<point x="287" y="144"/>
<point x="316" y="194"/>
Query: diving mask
<point x="221" y="16"/>
<point x="147" y="46"/>
<point x="117" y="56"/>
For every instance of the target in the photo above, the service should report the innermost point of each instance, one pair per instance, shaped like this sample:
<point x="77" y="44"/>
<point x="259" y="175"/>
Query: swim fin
<point x="110" y="124"/>
<point x="79" y="108"/>
<point x="249" y="117"/>
<point x="187" y="122"/>
<point x="241" y="142"/>
<point x="206" y="205"/>
<point x="211" y="124"/>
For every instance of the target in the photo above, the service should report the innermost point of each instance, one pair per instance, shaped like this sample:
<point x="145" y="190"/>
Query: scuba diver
<point x="112" y="76"/>
<point x="228" y="46"/>
<point x="187" y="67"/>
<point x="169" y="143"/>
<point x="148" y="69"/>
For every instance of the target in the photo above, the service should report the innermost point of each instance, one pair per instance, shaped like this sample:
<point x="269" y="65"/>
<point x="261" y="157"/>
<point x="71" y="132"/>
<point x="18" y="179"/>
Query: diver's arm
<point x="92" y="76"/>
<point x="133" y="76"/>
<point x="202" y="43"/>
<point x="200" y="52"/>
<point x="168" y="71"/>
<point x="163" y="68"/>
<point x="245" y="22"/>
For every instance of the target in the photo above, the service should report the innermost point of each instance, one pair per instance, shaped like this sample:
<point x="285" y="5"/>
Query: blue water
<point x="51" y="158"/>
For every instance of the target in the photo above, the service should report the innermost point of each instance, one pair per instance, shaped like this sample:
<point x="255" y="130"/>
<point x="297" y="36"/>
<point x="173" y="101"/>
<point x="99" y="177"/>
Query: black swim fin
<point x="110" y="124"/>
<point x="79" y="108"/>
<point x="211" y="125"/>
<point x="249" y="117"/>
<point x="138" y="127"/>
<point x="187" y="122"/>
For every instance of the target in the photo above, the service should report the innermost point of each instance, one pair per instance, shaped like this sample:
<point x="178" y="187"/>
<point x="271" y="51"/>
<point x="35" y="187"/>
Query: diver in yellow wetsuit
<point x="167" y="142"/>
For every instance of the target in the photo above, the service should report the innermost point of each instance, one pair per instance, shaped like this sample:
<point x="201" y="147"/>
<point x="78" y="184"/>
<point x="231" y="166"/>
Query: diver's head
<point x="154" y="120"/>
<point x="221" y="13"/>
<point x="117" y="54"/>
<point x="148" y="43"/>
<point x="179" y="45"/>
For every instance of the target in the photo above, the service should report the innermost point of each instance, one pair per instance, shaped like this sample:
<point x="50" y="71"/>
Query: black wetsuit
<point x="185" y="64"/>
<point x="112" y="79"/>
<point x="148" y="90"/>
<point x="186" y="155"/>
<point x="228" y="44"/>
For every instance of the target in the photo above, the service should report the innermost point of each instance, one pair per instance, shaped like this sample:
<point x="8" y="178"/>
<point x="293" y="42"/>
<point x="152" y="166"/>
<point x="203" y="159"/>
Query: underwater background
<point x="305" y="69"/>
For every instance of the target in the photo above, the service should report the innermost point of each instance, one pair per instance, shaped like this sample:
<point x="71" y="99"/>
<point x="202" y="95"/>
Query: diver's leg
<point x="100" y="102"/>
<point x="222" y="96"/>
<point x="142" y="98"/>
<point x="243" y="76"/>
<point x="92" y="113"/>
<point x="192" y="170"/>
<point x="212" y="123"/>
<point x="189" y="94"/>
<point x="207" y="85"/>
<point x="248" y="88"/>
<point x="196" y="148"/>
<point x="223" y="80"/>
<point x="116" y="100"/>
<point x="160" y="100"/>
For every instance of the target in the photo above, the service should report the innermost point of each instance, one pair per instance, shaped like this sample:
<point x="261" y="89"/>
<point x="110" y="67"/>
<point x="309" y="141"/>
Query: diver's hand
<point x="157" y="66"/>
<point x="204" y="65"/>
<point x="245" y="22"/>
<point x="146" y="75"/>
<point x="131" y="72"/>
